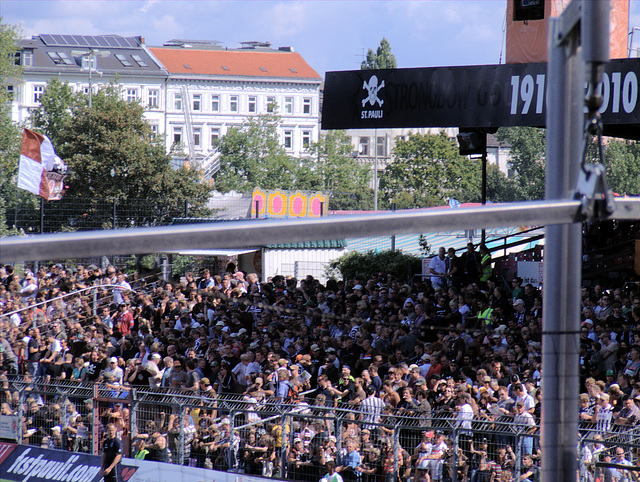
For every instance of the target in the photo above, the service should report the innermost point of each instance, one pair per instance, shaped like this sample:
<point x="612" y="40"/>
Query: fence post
<point x="95" y="417"/>
<point x="396" y="451"/>
<point x="133" y="416"/>
<point x="393" y="236"/>
<point x="23" y="398"/>
<point x="283" y="445"/>
<point x="454" y="459"/>
<point x="95" y="301"/>
<point x="186" y="208"/>
<point x="41" y="215"/>
<point x="519" y="448"/>
<point x="180" y="448"/>
<point x="230" y="456"/>
<point x="115" y="204"/>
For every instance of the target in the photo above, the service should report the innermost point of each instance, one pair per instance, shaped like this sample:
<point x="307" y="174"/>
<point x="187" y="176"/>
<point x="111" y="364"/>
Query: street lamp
<point x="91" y="56"/>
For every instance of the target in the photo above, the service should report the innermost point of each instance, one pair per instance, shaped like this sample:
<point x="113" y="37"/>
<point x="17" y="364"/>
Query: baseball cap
<point x="315" y="347"/>
<point x="113" y="359"/>
<point x="357" y="287"/>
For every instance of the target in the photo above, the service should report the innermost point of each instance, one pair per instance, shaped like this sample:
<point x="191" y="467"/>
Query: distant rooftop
<point x="247" y="61"/>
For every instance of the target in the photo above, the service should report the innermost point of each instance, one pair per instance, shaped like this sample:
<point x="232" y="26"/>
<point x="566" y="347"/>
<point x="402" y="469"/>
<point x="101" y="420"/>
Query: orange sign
<point x="294" y="204"/>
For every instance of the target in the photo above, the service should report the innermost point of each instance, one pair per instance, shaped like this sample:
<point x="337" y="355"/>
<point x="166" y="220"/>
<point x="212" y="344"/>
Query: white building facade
<point x="210" y="90"/>
<point x="193" y="92"/>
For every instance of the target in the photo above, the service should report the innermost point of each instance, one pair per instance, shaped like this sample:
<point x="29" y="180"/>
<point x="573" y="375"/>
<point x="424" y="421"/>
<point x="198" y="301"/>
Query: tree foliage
<point x="427" y="170"/>
<point x="528" y="146"/>
<point x="112" y="153"/>
<point x="252" y="156"/>
<point x="382" y="58"/>
<point x="365" y="265"/>
<point x="10" y="133"/>
<point x="622" y="162"/>
<point x="332" y="168"/>
<point x="500" y="189"/>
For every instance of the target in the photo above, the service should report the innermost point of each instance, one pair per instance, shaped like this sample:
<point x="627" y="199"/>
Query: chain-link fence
<point x="83" y="214"/>
<point x="293" y="441"/>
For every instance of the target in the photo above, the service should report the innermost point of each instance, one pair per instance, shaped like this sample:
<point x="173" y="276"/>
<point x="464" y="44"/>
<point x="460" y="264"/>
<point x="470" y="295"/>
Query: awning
<point x="213" y="252"/>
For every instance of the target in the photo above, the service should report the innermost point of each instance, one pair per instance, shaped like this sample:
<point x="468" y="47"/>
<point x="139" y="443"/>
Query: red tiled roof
<point x="244" y="63"/>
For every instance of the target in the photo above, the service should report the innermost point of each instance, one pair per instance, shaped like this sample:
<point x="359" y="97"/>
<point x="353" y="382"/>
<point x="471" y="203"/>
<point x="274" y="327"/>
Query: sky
<point x="330" y="35"/>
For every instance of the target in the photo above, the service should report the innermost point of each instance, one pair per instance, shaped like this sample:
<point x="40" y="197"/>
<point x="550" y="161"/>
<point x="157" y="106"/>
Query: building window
<point x="271" y="104"/>
<point x="197" y="102"/>
<point x="123" y="60"/>
<point x="288" y="139"/>
<point x="89" y="62"/>
<point x="252" y="105"/>
<point x="306" y="106"/>
<point x="38" y="90"/>
<point x="197" y="137"/>
<point x="363" y="147"/>
<point x="27" y="58"/>
<point x="215" y="135"/>
<point x="177" y="135"/>
<point x="153" y="99"/>
<point x="233" y="103"/>
<point x="288" y="105"/>
<point x="154" y="130"/>
<point x="132" y="95"/>
<point x="306" y="139"/>
<point x="10" y="92"/>
<point x="215" y="103"/>
<point x="381" y="147"/>
<point x="177" y="101"/>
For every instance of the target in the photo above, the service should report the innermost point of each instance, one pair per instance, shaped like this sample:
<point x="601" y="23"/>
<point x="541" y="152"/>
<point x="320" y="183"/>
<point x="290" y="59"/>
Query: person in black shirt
<point x="111" y="455"/>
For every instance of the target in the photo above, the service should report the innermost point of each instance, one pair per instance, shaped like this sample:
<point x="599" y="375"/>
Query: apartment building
<point x="193" y="91"/>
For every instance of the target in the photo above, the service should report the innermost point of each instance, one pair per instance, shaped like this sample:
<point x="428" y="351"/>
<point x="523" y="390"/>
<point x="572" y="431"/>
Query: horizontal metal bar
<point x="257" y="233"/>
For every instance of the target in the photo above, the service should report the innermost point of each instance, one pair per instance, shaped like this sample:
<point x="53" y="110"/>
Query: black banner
<point x="473" y="96"/>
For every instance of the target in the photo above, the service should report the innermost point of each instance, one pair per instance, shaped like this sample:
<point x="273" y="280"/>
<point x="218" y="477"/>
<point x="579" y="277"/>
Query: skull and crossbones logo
<point x="373" y="88"/>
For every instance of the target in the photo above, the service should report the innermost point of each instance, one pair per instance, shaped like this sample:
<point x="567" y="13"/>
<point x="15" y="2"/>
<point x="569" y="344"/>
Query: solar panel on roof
<point x="111" y="41"/>
<point x="46" y="39"/>
<point x="102" y="42"/>
<point x="81" y="40"/>
<point x="123" y="42"/>
<point x="71" y="40"/>
<point x="59" y="40"/>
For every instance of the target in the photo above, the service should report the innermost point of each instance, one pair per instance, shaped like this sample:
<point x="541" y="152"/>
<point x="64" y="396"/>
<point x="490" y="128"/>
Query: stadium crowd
<point x="457" y="345"/>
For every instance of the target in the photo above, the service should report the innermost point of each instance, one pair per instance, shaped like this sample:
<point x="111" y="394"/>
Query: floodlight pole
<point x="563" y="250"/>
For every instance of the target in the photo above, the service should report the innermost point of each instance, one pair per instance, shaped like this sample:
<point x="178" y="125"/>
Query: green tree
<point x="365" y="265"/>
<point x="427" y="170"/>
<point x="500" y="189"/>
<point x="622" y="162"/>
<point x="332" y="168"/>
<point x="382" y="58"/>
<point x="251" y="156"/>
<point x="112" y="153"/>
<point x="528" y="146"/>
<point x="10" y="133"/>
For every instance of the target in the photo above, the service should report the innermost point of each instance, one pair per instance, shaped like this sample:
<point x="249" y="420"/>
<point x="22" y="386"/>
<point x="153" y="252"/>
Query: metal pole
<point x="257" y="208"/>
<point x="375" y="169"/>
<point x="393" y="236"/>
<point x="91" y="58"/>
<point x="41" y="215"/>
<point x="115" y="204"/>
<point x="562" y="266"/>
<point x="484" y="183"/>
<point x="186" y="208"/>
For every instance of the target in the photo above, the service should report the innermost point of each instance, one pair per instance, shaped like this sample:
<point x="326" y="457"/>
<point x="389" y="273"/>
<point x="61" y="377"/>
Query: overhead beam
<point x="260" y="232"/>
